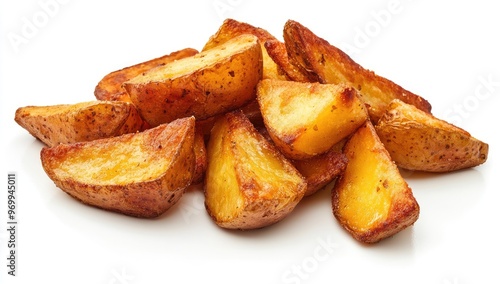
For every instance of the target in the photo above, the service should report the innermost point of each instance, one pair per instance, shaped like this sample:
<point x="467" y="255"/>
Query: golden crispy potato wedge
<point x="139" y="174"/>
<point x="79" y="122"/>
<point x="248" y="182"/>
<point x="322" y="169"/>
<point x="307" y="119"/>
<point x="211" y="82"/>
<point x="371" y="200"/>
<point x="278" y="53"/>
<point x="231" y="28"/>
<point x="327" y="64"/>
<point x="110" y="87"/>
<point x="419" y="141"/>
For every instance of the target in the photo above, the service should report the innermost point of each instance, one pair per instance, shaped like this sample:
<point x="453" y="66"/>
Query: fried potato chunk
<point x="85" y="121"/>
<point x="139" y="174"/>
<point x="209" y="83"/>
<point x="419" y="141"/>
<point x="371" y="200"/>
<point x="231" y="28"/>
<point x="248" y="183"/>
<point x="326" y="63"/>
<point x="307" y="119"/>
<point x="110" y="86"/>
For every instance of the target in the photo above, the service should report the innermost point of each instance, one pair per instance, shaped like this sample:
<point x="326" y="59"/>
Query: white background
<point x="447" y="52"/>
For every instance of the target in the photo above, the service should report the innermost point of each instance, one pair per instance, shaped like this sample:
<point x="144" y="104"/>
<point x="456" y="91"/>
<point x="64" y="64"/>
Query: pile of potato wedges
<point x="261" y="123"/>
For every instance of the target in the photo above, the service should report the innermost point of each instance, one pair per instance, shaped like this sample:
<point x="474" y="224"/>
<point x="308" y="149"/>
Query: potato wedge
<point x="327" y="64"/>
<point x="209" y="83"/>
<point x="139" y="174"/>
<point x="278" y="53"/>
<point x="419" y="141"/>
<point x="79" y="122"/>
<point x="307" y="119"/>
<point x="248" y="182"/>
<point x="371" y="200"/>
<point x="110" y="86"/>
<point x="231" y="28"/>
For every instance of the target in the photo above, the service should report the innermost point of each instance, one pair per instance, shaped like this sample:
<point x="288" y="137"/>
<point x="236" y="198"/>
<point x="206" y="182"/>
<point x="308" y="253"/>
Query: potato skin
<point x="212" y="89"/>
<point x="110" y="86"/>
<point x="85" y="121"/>
<point x="248" y="183"/>
<point x="371" y="200"/>
<point x="139" y="174"/>
<point x="419" y="141"/>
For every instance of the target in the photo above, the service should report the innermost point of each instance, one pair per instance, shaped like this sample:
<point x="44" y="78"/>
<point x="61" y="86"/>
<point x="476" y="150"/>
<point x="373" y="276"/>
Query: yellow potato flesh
<point x="371" y="199"/>
<point x="248" y="183"/>
<point x="117" y="159"/>
<point x="309" y="118"/>
<point x="227" y="194"/>
<point x="361" y="192"/>
<point x="267" y="167"/>
<point x="188" y="65"/>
